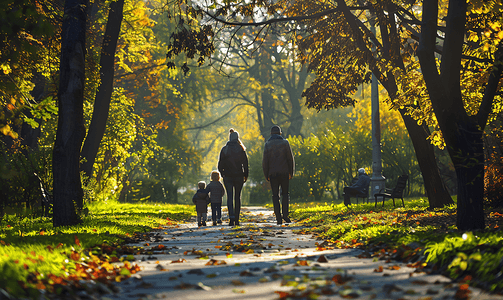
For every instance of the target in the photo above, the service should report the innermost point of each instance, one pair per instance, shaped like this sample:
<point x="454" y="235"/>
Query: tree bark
<point x="462" y="134"/>
<point x="105" y="89"/>
<point x="67" y="193"/>
<point x="437" y="193"/>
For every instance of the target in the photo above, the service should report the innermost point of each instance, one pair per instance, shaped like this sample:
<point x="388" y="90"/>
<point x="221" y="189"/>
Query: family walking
<point x="278" y="166"/>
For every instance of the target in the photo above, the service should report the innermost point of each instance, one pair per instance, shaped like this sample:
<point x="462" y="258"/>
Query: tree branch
<point x="278" y="20"/>
<point x="491" y="87"/>
<point x="218" y="119"/>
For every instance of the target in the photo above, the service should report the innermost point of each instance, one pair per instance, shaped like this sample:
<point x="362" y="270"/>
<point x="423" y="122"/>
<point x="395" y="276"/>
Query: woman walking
<point x="233" y="166"/>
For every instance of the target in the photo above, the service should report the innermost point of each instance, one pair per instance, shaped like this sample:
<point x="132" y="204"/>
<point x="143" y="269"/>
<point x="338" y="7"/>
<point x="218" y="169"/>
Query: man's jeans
<point x="233" y="186"/>
<point x="276" y="182"/>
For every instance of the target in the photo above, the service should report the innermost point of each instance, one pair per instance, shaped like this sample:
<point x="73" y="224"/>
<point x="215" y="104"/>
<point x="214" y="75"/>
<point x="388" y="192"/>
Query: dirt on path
<point x="261" y="260"/>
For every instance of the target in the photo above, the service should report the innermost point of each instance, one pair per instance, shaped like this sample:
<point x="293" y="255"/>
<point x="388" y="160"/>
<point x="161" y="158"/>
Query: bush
<point x="21" y="173"/>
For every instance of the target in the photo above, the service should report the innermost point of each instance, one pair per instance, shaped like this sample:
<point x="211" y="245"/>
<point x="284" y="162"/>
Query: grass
<point x="425" y="238"/>
<point x="35" y="256"/>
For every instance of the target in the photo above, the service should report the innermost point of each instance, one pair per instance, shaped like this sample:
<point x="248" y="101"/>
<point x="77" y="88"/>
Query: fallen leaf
<point x="322" y="259"/>
<point x="246" y="273"/>
<point x="303" y="263"/>
<point x="214" y="262"/>
<point x="339" y="279"/>
<point x="184" y="286"/>
<point x="237" y="282"/>
<point x="204" y="287"/>
<point x="161" y="268"/>
<point x="380" y="269"/>
<point x="180" y="260"/>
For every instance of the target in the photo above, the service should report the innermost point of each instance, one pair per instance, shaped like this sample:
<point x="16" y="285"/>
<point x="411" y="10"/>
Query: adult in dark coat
<point x="357" y="188"/>
<point x="278" y="166"/>
<point x="233" y="166"/>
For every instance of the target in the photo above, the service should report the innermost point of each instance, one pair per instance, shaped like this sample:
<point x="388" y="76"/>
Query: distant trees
<point x="396" y="44"/>
<point x="329" y="158"/>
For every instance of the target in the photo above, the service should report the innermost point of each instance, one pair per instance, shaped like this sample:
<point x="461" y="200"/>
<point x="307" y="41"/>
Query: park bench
<point x="396" y="192"/>
<point x="364" y="194"/>
<point x="46" y="200"/>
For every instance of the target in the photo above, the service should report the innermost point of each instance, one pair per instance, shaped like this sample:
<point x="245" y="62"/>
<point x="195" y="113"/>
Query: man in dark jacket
<point x="358" y="188"/>
<point x="278" y="166"/>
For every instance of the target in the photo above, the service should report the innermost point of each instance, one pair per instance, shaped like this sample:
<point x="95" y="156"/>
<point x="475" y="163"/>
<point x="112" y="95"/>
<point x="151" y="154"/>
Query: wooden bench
<point x="364" y="194"/>
<point x="396" y="192"/>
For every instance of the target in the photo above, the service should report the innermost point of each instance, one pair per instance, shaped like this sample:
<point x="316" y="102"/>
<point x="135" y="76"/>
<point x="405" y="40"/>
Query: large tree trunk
<point x="67" y="192"/>
<point x="438" y="196"/>
<point x="469" y="165"/>
<point x="105" y="89"/>
<point x="462" y="133"/>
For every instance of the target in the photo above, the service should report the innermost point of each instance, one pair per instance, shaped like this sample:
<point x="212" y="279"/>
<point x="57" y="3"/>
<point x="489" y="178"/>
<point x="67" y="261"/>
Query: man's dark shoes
<point x="198" y="224"/>
<point x="287" y="220"/>
<point x="236" y="223"/>
<point x="231" y="223"/>
<point x="204" y="223"/>
<point x="219" y="221"/>
<point x="214" y="223"/>
<point x="279" y="222"/>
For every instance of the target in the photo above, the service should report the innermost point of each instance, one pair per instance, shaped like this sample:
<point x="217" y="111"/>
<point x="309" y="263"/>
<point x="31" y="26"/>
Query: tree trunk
<point x="438" y="196"/>
<point x="294" y="86"/>
<point x="105" y="89"/>
<point x="67" y="192"/>
<point x="469" y="165"/>
<point x="462" y="133"/>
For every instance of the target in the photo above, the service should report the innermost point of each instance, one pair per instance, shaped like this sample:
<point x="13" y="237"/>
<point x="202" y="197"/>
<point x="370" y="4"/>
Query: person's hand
<point x="245" y="178"/>
<point x="268" y="179"/>
<point x="290" y="176"/>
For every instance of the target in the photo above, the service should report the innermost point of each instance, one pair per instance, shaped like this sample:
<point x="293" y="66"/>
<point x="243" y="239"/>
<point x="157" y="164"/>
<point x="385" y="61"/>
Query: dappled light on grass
<point x="425" y="239"/>
<point x="35" y="256"/>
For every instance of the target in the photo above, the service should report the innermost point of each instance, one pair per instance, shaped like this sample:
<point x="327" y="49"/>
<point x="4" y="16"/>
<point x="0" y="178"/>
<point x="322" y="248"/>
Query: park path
<point x="261" y="260"/>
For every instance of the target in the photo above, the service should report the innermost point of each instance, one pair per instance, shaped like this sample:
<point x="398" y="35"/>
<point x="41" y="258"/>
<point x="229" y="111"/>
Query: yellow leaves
<point x="437" y="139"/>
<point x="5" y="68"/>
<point x="6" y="130"/>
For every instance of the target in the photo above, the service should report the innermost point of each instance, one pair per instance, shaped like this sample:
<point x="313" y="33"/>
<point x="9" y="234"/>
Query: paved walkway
<point x="209" y="263"/>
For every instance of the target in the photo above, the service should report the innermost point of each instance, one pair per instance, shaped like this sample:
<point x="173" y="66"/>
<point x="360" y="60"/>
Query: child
<point x="201" y="200"/>
<point x="217" y="191"/>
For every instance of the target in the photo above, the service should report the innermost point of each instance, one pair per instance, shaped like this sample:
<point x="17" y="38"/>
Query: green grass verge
<point x="35" y="256"/>
<point x="426" y="238"/>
